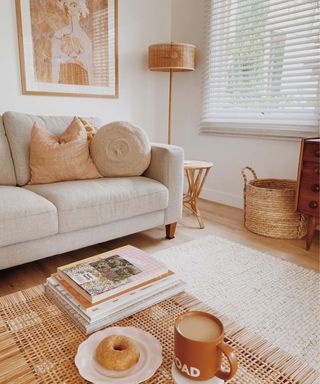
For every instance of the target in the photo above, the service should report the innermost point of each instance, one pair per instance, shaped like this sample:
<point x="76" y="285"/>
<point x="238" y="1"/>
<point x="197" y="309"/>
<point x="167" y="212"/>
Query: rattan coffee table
<point x="38" y="343"/>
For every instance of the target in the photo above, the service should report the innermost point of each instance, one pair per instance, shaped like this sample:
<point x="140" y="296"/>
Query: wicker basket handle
<point x="243" y="173"/>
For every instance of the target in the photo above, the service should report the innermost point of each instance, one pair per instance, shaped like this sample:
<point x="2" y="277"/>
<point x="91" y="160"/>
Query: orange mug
<point x="199" y="345"/>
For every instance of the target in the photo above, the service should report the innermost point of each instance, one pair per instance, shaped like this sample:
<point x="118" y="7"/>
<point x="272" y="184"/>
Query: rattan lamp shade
<point x="174" y="57"/>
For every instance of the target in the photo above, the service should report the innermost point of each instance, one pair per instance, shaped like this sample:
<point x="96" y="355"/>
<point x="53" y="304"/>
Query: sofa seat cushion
<point x="25" y="216"/>
<point x="88" y="203"/>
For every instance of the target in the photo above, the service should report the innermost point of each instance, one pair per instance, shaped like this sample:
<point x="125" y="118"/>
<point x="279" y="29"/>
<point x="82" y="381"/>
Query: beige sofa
<point x="37" y="221"/>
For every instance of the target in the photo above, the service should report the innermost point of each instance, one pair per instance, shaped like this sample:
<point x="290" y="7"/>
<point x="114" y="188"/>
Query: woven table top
<point x="38" y="343"/>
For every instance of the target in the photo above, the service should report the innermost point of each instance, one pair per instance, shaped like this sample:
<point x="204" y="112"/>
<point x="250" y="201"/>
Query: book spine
<point x="65" y="301"/>
<point x="111" y="307"/>
<point x="88" y="328"/>
<point x="135" y="309"/>
<point x="66" y="309"/>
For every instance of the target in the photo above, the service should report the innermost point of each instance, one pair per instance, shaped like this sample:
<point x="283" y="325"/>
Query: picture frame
<point x="68" y="47"/>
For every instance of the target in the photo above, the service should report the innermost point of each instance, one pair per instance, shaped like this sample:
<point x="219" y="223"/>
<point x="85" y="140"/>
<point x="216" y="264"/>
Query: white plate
<point x="149" y="361"/>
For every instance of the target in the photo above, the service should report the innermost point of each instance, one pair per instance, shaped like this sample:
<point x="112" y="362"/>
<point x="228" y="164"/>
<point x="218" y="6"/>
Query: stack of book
<point x="103" y="289"/>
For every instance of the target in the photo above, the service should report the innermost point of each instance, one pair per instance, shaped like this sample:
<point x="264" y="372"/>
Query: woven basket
<point x="269" y="208"/>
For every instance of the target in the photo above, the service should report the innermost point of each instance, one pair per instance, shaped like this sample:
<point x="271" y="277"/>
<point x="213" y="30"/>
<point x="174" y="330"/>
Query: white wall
<point x="143" y="95"/>
<point x="269" y="158"/>
<point x="141" y="101"/>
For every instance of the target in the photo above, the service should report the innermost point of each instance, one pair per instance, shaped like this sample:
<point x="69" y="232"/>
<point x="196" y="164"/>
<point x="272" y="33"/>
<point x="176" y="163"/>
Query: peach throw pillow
<point x="61" y="158"/>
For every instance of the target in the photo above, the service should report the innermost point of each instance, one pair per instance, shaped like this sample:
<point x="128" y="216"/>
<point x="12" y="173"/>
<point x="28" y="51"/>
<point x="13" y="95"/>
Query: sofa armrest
<point x="167" y="167"/>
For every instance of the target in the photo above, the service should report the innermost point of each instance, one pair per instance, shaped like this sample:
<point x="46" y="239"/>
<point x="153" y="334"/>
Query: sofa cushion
<point x="121" y="149"/>
<point x="18" y="128"/>
<point x="87" y="203"/>
<point x="63" y="158"/>
<point x="25" y="216"/>
<point x="7" y="175"/>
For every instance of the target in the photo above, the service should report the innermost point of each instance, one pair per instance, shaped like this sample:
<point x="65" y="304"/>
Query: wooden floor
<point x="220" y="220"/>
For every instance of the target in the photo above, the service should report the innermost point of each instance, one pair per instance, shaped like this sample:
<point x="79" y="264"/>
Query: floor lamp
<point x="171" y="57"/>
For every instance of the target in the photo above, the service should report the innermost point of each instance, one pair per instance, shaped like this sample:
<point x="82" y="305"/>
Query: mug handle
<point x="233" y="362"/>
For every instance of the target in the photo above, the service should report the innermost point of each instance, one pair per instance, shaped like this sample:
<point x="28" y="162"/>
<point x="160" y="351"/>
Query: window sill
<point x="258" y="131"/>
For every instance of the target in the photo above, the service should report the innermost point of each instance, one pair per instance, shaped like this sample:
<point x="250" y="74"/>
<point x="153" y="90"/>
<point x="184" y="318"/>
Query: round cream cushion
<point x="120" y="149"/>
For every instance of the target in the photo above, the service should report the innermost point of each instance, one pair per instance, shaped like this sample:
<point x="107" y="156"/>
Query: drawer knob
<point x="317" y="153"/>
<point x="315" y="188"/>
<point x="313" y="204"/>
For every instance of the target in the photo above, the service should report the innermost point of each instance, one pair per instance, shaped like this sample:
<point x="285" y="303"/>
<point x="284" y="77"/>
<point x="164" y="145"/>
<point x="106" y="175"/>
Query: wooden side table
<point x="197" y="172"/>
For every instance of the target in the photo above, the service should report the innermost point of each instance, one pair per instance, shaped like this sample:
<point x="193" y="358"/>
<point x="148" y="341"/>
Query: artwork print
<point x="68" y="47"/>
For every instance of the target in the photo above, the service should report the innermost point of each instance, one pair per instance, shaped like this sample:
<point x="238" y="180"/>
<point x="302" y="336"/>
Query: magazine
<point x="102" y="276"/>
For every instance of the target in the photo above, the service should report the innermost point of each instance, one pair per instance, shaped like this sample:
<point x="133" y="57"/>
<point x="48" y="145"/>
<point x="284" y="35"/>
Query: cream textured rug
<point x="277" y="300"/>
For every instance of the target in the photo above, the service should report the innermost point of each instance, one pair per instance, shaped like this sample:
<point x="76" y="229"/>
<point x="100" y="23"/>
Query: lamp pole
<point x="170" y="106"/>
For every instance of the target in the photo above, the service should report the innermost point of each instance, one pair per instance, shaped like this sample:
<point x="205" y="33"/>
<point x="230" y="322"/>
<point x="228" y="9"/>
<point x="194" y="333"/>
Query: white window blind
<point x="262" y="66"/>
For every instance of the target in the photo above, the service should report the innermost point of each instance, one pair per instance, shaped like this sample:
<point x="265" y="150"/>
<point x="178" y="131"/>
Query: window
<point x="261" y="73"/>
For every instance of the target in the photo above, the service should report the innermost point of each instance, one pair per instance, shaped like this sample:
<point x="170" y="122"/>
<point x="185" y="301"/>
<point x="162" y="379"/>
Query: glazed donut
<point x="117" y="353"/>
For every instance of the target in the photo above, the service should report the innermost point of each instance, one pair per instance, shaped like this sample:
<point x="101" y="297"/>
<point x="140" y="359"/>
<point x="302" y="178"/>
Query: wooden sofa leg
<point x="170" y="230"/>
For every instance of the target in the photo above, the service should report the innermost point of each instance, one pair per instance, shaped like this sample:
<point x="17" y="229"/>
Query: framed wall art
<point x="68" y="47"/>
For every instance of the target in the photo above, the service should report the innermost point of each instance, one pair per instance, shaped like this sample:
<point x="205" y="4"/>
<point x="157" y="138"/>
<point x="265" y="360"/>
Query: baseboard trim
<point x="222" y="197"/>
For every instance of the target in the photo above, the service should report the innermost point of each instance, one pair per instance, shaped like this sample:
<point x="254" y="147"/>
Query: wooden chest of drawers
<point x="307" y="197"/>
